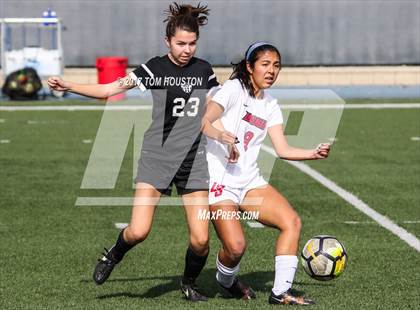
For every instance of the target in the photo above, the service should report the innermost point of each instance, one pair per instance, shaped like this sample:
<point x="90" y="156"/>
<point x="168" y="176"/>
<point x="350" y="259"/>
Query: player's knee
<point x="200" y="244"/>
<point x="294" y="224"/>
<point x="236" y="250"/>
<point x="138" y="234"/>
<point x="297" y="223"/>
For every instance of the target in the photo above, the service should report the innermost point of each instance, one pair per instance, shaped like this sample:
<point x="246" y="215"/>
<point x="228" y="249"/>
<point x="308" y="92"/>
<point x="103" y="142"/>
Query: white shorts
<point x="220" y="192"/>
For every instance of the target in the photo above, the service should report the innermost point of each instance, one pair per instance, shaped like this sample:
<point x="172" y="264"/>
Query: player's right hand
<point x="226" y="137"/>
<point x="56" y="83"/>
<point x="322" y="151"/>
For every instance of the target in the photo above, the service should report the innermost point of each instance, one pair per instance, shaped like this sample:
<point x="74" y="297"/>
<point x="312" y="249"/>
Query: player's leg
<point x="275" y="211"/>
<point x="230" y="233"/>
<point x="195" y="205"/>
<point x="146" y="198"/>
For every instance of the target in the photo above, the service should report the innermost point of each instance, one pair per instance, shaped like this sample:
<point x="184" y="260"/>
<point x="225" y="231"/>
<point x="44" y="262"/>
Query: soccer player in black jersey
<point x="173" y="150"/>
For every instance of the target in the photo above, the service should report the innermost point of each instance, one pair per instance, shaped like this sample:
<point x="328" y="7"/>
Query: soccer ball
<point x="324" y="258"/>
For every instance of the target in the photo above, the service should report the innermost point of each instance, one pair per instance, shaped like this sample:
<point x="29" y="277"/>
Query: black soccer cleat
<point x="191" y="292"/>
<point x="239" y="290"/>
<point x="104" y="268"/>
<point x="287" y="298"/>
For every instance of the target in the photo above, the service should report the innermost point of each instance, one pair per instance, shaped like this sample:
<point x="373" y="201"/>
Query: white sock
<point x="285" y="267"/>
<point x="225" y="275"/>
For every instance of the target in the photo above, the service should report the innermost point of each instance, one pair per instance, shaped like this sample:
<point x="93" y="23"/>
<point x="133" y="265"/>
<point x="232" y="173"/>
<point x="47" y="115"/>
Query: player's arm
<point x="99" y="91"/>
<point x="285" y="151"/>
<point x="213" y="113"/>
<point x="213" y="128"/>
<point x="217" y="123"/>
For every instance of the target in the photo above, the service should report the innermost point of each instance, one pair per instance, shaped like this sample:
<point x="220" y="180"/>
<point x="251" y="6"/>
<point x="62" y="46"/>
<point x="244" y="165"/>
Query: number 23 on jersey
<point x="179" y="104"/>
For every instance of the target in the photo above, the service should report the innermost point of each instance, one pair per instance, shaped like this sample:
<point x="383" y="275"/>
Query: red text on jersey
<point x="255" y="120"/>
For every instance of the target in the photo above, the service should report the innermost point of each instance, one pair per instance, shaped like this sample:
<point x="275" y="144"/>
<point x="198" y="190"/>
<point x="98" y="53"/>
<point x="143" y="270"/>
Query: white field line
<point x="351" y="106"/>
<point x="255" y="224"/>
<point x="370" y="222"/>
<point x="385" y="222"/>
<point x="77" y="108"/>
<point x="121" y="225"/>
<point x="149" y="107"/>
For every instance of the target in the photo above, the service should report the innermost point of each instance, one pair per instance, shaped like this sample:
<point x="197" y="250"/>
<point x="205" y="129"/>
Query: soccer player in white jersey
<point x="236" y="121"/>
<point x="173" y="151"/>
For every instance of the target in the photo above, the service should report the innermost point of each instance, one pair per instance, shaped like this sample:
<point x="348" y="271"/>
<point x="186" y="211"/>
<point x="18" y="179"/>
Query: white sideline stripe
<point x="4" y="141"/>
<point x="358" y="222"/>
<point x="149" y="107"/>
<point x="76" y="108"/>
<point x="385" y="222"/>
<point x="121" y="225"/>
<point x="370" y="222"/>
<point x="255" y="224"/>
<point x="351" y="106"/>
<point x="415" y="138"/>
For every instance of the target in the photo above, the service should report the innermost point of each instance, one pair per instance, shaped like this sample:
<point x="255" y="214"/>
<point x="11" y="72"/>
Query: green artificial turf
<point x="49" y="246"/>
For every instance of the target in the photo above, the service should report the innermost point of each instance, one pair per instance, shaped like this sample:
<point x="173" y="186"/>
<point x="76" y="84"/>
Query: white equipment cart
<point x="31" y="42"/>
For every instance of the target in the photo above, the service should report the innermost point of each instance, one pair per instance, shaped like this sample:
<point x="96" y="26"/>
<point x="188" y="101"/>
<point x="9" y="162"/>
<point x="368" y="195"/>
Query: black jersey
<point x="179" y="98"/>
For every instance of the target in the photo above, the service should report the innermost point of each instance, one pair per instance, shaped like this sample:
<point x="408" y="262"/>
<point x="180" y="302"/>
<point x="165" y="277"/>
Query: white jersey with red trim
<point x="248" y="118"/>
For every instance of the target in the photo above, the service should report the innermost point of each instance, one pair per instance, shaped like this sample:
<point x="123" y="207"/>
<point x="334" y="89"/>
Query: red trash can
<point x="110" y="69"/>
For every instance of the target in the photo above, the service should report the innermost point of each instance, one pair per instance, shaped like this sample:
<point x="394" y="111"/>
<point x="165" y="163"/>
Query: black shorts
<point x="190" y="175"/>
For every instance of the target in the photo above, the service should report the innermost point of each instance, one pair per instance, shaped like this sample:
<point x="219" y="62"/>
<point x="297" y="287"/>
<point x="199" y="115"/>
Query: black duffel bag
<point x="23" y="84"/>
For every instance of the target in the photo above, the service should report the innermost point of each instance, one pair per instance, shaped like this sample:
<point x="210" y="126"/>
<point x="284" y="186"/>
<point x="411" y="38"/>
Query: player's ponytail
<point x="240" y="70"/>
<point x="185" y="17"/>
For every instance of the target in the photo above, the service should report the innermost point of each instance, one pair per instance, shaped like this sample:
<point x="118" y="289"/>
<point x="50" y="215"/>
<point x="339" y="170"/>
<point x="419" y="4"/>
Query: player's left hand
<point x="322" y="151"/>
<point x="233" y="154"/>
<point x="58" y="84"/>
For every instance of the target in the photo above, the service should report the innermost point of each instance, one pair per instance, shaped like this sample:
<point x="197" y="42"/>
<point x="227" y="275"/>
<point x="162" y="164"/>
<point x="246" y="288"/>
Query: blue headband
<point x="253" y="47"/>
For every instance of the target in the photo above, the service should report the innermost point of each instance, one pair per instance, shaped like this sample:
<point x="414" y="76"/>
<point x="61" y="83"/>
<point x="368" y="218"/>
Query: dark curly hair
<point x="185" y="17"/>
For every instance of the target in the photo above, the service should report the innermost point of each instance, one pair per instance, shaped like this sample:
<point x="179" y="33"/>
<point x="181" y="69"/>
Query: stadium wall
<point x="300" y="76"/>
<point x="308" y="33"/>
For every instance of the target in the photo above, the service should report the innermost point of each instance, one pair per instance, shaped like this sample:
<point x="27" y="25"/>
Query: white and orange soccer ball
<point x="324" y="258"/>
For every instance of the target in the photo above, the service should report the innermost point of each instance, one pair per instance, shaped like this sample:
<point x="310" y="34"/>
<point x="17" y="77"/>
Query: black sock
<point x="121" y="247"/>
<point x="193" y="266"/>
